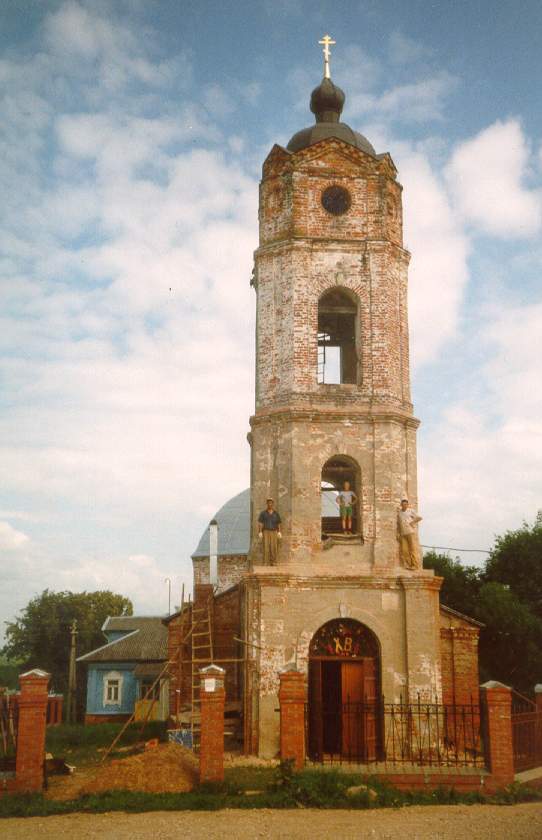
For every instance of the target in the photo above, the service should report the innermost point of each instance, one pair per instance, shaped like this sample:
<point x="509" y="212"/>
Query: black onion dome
<point x="327" y="102"/>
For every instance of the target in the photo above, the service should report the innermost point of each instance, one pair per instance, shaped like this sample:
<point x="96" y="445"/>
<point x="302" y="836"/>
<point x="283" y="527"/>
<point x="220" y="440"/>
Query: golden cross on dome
<point x="326" y="42"/>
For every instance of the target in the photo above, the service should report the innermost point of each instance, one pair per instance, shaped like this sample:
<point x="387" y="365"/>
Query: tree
<point x="516" y="560"/>
<point x="510" y="649"/>
<point x="505" y="596"/>
<point x="8" y="673"/>
<point x="40" y="637"/>
<point x="460" y="585"/>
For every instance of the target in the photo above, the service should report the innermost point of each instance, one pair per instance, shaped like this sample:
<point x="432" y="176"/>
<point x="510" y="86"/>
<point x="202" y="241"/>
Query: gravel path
<point x="475" y="822"/>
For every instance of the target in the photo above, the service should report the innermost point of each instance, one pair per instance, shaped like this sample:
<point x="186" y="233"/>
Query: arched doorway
<point x="344" y="692"/>
<point x="335" y="472"/>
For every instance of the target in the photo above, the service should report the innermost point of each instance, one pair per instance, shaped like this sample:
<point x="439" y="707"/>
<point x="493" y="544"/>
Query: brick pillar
<point x="212" y="697"/>
<point x="496" y="701"/>
<point x="292" y="716"/>
<point x="31" y="726"/>
<point x="538" y="700"/>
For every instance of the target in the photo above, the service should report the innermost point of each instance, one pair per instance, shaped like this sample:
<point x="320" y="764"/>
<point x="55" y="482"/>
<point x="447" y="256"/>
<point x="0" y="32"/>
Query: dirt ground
<point x="475" y="822"/>
<point x="166" y="768"/>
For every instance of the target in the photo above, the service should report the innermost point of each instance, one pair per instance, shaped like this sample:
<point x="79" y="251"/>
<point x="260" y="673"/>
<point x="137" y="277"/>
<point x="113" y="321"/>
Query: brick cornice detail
<point x="310" y="415"/>
<point x="285" y="578"/>
<point x="421" y="582"/>
<point x="307" y="243"/>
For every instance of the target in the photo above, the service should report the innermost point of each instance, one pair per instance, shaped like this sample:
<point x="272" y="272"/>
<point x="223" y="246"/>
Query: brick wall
<point x="225" y="622"/>
<point x="231" y="569"/>
<point x="459" y="661"/>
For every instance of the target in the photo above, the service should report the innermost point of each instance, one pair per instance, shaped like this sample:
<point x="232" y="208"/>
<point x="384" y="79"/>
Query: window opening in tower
<point x="337" y="356"/>
<point x="336" y="472"/>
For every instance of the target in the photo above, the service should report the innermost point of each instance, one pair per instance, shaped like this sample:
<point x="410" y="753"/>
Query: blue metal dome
<point x="233" y="520"/>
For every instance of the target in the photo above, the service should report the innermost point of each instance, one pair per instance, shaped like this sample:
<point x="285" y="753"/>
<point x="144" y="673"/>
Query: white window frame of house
<point x="109" y="678"/>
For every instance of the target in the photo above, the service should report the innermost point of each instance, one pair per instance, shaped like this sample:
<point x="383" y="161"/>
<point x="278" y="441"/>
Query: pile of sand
<point x="170" y="768"/>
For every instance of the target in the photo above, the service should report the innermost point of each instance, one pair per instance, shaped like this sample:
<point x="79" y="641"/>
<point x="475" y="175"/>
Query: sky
<point x="132" y="139"/>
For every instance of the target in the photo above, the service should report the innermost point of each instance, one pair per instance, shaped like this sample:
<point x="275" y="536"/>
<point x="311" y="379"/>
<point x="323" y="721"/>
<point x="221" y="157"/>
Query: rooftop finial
<point x="327" y="43"/>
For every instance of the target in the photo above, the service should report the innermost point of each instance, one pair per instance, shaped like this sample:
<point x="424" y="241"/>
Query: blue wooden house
<point x="121" y="672"/>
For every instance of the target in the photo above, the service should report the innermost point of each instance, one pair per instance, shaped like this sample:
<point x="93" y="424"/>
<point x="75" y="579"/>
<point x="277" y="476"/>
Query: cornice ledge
<point x="332" y="416"/>
<point x="421" y="582"/>
<point x="308" y="242"/>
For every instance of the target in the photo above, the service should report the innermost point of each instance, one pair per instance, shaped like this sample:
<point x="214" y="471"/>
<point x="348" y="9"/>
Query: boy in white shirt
<point x="346" y="500"/>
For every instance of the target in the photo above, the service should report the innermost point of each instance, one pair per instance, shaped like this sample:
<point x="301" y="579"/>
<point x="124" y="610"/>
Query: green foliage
<point x="461" y="584"/>
<point x="310" y="788"/>
<point x="510" y="642"/>
<point x="516" y="561"/>
<point x="40" y="637"/>
<point x="9" y="673"/>
<point x="506" y="597"/>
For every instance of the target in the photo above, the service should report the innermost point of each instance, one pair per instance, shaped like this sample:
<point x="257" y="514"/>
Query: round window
<point x="336" y="200"/>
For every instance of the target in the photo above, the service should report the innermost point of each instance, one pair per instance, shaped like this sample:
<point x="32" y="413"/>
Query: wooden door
<point x="359" y="716"/>
<point x="352" y="709"/>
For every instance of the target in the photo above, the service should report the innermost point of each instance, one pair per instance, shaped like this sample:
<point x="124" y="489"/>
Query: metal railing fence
<point x="417" y="733"/>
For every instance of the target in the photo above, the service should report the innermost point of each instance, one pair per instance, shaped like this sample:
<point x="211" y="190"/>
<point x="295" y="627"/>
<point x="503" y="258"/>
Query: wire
<point x="449" y="548"/>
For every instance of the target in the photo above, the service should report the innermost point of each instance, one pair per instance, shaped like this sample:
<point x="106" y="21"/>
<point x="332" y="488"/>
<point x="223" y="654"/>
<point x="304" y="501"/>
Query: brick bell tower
<point x="332" y="366"/>
<point x="333" y="405"/>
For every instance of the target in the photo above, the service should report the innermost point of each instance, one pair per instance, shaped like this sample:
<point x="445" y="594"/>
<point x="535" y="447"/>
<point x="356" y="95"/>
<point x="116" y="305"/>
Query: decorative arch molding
<point x="344" y="638"/>
<point x="350" y="291"/>
<point x="354" y="285"/>
<point x="380" y="630"/>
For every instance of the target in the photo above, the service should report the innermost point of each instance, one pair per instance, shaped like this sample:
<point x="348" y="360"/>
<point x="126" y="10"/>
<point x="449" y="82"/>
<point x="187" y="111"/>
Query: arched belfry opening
<point x="337" y="338"/>
<point x="336" y="473"/>
<point x="344" y="692"/>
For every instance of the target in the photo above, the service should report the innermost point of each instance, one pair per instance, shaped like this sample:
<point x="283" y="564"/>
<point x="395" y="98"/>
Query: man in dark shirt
<point x="269" y="533"/>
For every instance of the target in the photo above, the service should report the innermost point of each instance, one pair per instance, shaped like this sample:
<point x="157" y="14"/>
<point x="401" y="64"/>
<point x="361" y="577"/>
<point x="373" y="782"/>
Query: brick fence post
<point x="538" y="728"/>
<point x="32" y="703"/>
<point x="292" y="715"/>
<point x="496" y="700"/>
<point x="212" y="698"/>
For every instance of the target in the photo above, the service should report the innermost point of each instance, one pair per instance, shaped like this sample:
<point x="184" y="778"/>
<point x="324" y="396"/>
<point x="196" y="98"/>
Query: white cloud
<point x="481" y="466"/>
<point x="438" y="271"/>
<point x="487" y="178"/>
<point x="415" y="102"/>
<point x="405" y="50"/>
<point x="10" y="538"/>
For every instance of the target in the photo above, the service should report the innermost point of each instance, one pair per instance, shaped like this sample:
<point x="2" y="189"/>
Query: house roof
<point x="145" y="639"/>
<point x="467" y="618"/>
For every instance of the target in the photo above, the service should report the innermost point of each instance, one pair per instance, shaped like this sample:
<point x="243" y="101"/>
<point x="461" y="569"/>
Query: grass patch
<point x="80" y="744"/>
<point x="268" y="788"/>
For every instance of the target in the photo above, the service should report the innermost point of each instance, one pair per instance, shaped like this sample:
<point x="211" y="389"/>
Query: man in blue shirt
<point x="269" y="533"/>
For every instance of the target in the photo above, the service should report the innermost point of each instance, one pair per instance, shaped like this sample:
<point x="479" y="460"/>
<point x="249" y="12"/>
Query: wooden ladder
<point x="202" y="654"/>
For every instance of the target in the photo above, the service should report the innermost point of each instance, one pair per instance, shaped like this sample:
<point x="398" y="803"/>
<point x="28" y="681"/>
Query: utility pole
<point x="71" y="710"/>
<point x="168" y="581"/>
